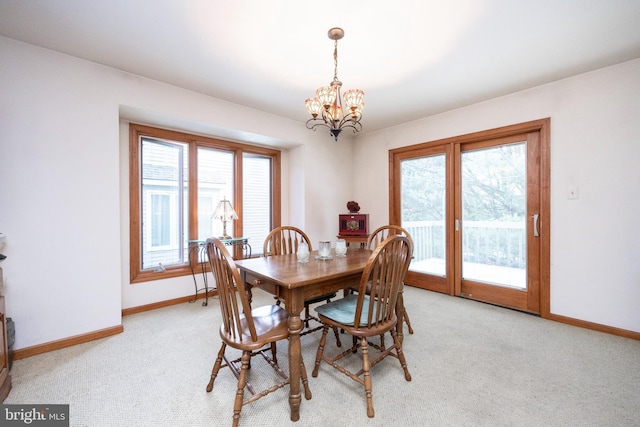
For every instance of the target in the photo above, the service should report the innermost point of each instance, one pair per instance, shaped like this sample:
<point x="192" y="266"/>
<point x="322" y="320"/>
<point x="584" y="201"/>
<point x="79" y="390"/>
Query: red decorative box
<point x="353" y="224"/>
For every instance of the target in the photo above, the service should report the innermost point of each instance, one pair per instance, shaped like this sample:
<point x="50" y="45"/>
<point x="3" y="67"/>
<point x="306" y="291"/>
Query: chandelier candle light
<point x="326" y="107"/>
<point x="225" y="212"/>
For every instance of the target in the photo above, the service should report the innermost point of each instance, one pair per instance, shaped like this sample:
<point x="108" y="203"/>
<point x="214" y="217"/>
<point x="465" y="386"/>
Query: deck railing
<point x="497" y="243"/>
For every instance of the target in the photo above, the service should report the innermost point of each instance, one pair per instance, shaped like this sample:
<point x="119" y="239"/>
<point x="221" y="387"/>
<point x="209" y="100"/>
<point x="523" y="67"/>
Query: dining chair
<point x="285" y="240"/>
<point x="367" y="314"/>
<point x="378" y="237"/>
<point x="252" y="331"/>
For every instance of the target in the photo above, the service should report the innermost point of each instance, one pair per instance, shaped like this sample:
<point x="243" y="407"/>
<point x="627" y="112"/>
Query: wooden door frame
<point x="542" y="126"/>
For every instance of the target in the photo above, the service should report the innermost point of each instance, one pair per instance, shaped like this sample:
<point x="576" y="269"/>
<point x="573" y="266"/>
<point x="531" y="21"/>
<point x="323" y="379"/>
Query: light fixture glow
<point x="326" y="108"/>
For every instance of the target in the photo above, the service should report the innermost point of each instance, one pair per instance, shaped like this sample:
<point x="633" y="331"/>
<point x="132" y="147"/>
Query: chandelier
<point x="326" y="107"/>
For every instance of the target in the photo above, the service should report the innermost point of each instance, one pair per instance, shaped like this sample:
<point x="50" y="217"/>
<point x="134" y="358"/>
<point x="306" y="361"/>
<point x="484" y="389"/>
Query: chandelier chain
<point x="335" y="61"/>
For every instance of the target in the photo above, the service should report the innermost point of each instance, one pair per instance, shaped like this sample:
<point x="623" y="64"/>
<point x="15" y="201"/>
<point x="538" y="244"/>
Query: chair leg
<point x="323" y="341"/>
<point x="216" y="367"/>
<point x="242" y="382"/>
<point x="306" y="316"/>
<point x="273" y="353"/>
<point x="337" y="334"/>
<point x="400" y="353"/>
<point x="366" y="371"/>
<point x="335" y="331"/>
<point x="407" y="321"/>
<point x="305" y="381"/>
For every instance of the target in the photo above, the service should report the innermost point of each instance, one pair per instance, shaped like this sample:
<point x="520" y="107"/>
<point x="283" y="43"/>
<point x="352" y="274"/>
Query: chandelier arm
<point x="351" y="118"/>
<point x="313" y="123"/>
<point x="357" y="127"/>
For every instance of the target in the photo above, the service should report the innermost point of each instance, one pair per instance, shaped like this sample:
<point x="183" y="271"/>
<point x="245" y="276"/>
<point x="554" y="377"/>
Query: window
<point x="165" y="170"/>
<point x="257" y="199"/>
<point x="176" y="182"/>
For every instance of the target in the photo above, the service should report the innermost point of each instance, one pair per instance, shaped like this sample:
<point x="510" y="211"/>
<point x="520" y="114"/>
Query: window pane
<point x="165" y="189"/>
<point x="494" y="215"/>
<point x="160" y="224"/>
<point x="215" y="182"/>
<point x="423" y="211"/>
<point x="256" y="201"/>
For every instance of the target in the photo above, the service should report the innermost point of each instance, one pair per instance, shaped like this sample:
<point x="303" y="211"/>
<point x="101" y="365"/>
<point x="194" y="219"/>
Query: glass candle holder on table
<point x="341" y="248"/>
<point x="303" y="252"/>
<point x="324" y="249"/>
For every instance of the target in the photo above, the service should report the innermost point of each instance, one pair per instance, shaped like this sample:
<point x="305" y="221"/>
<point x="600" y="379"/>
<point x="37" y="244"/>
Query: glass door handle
<point x="536" y="217"/>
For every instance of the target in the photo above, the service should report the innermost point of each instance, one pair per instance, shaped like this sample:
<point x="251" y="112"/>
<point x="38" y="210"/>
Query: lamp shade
<point x="224" y="211"/>
<point x="354" y="99"/>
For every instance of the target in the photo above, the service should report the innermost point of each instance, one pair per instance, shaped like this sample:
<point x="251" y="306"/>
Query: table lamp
<point x="224" y="212"/>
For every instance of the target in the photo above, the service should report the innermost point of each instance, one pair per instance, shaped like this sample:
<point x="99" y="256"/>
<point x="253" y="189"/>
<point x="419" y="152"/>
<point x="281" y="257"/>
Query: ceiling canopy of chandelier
<point x="326" y="107"/>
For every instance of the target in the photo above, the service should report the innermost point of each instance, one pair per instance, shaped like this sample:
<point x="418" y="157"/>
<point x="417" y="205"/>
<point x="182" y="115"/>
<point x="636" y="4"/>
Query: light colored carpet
<point x="472" y="365"/>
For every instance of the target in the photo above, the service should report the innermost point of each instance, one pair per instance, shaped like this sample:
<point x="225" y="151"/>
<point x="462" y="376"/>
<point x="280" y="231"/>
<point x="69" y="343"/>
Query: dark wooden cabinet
<point x="353" y="224"/>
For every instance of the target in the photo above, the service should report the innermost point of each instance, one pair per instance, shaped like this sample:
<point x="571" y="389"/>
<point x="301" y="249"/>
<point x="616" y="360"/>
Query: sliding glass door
<point x="474" y="207"/>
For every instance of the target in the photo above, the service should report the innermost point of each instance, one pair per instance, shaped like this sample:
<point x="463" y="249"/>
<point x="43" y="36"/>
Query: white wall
<point x="327" y="187"/>
<point x="64" y="184"/>
<point x="595" y="145"/>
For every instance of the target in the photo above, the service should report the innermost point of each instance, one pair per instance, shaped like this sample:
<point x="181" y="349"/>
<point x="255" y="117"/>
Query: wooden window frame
<point x="136" y="132"/>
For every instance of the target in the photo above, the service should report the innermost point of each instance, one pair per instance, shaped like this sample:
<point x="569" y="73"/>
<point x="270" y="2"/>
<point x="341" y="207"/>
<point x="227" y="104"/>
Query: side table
<point x="355" y="239"/>
<point x="198" y="254"/>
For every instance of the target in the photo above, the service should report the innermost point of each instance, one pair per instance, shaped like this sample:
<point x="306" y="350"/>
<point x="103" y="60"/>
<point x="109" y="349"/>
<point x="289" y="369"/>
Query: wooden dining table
<point x="295" y="282"/>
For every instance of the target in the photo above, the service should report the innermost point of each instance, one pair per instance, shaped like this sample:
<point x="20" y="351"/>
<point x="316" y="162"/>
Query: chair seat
<point x="343" y="310"/>
<point x="271" y="323"/>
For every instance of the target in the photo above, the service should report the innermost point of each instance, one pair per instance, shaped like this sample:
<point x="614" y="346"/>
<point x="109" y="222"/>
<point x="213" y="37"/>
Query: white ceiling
<point x="413" y="58"/>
